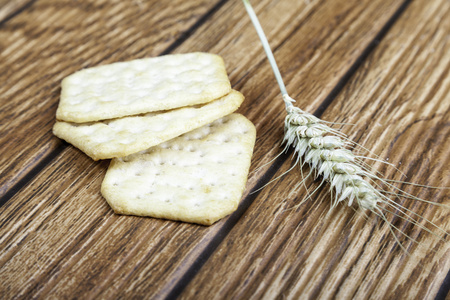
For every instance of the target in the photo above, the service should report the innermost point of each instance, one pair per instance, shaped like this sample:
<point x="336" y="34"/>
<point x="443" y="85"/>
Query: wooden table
<point x="380" y="65"/>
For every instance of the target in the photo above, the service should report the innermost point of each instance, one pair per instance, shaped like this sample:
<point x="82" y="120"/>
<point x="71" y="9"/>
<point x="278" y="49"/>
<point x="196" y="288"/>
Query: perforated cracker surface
<point x="141" y="86"/>
<point x="198" y="177"/>
<point x="124" y="136"/>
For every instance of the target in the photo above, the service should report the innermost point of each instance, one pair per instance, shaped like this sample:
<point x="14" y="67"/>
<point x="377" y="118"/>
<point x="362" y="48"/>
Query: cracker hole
<point x="115" y="184"/>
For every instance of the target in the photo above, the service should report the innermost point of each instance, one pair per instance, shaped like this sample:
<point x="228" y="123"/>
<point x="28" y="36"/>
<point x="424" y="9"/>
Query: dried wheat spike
<point x="328" y="157"/>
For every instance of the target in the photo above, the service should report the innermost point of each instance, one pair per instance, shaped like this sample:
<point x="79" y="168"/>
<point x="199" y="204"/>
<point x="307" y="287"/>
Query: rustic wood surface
<point x="380" y="65"/>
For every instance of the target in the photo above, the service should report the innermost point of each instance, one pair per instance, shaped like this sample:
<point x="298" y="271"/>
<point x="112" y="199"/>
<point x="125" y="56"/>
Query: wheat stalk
<point x="324" y="149"/>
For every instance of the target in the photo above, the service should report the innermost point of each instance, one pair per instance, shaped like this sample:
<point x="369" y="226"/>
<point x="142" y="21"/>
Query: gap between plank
<point x="26" y="179"/>
<point x="359" y="61"/>
<point x="17" y="12"/>
<point x="444" y="289"/>
<point x="185" y="35"/>
<point x="196" y="266"/>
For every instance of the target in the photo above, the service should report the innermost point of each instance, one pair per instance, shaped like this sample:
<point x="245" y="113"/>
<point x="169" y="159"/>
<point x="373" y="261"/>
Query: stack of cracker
<point x="178" y="152"/>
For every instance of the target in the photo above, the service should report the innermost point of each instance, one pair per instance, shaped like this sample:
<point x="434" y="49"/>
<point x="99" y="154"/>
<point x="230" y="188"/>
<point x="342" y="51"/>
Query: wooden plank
<point x="48" y="41"/>
<point x="400" y="101"/>
<point x="49" y="261"/>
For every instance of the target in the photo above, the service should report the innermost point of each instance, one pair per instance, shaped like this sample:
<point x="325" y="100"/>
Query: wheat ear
<point x="324" y="150"/>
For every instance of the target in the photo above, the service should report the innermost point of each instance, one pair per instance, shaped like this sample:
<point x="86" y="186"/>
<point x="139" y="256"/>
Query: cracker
<point x="198" y="177"/>
<point x="124" y="136"/>
<point x="141" y="86"/>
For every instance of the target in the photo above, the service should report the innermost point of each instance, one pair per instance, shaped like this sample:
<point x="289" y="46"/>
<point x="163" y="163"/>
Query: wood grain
<point x="59" y="238"/>
<point x="311" y="253"/>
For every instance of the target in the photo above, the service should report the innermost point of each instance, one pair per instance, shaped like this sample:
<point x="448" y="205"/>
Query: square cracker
<point x="198" y="177"/>
<point x="128" y="135"/>
<point x="141" y="86"/>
